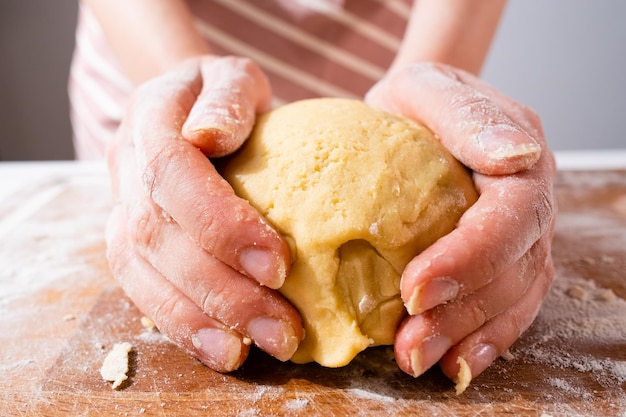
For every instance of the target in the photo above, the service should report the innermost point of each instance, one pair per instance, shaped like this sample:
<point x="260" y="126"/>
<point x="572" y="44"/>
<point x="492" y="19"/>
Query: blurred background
<point x="564" y="58"/>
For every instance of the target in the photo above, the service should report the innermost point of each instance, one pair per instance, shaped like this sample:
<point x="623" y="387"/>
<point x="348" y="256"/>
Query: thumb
<point x="233" y="91"/>
<point x="469" y="122"/>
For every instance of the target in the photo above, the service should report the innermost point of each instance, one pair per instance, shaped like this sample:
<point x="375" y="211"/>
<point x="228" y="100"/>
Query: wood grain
<point x="60" y="313"/>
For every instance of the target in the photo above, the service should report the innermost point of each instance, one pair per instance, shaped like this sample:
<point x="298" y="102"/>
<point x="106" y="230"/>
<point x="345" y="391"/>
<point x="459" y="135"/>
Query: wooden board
<point x="60" y="313"/>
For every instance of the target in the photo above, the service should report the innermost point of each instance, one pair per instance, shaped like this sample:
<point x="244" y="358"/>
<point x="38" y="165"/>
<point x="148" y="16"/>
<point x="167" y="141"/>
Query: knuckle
<point x="233" y="299"/>
<point x="221" y="224"/>
<point x="214" y="300"/>
<point x="208" y="232"/>
<point x="144" y="226"/>
<point x="474" y="107"/>
<point x="544" y="208"/>
<point x="476" y="314"/>
<point x="167" y="308"/>
<point x="156" y="166"/>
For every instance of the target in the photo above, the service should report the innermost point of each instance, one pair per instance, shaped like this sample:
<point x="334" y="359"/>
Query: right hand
<point x="194" y="257"/>
<point x="471" y="294"/>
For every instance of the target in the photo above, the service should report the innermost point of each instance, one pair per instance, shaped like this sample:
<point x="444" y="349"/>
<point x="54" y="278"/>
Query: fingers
<point x="215" y="344"/>
<point x="482" y="347"/>
<point x="224" y="294"/>
<point x="181" y="180"/>
<point x="422" y="340"/>
<point x="512" y="213"/>
<point x="468" y="122"/>
<point x="233" y="91"/>
<point x="494" y="269"/>
<point x="178" y="229"/>
<point x="221" y="292"/>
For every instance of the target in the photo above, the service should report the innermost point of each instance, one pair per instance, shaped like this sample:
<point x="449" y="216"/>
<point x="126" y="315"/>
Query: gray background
<point x="564" y="58"/>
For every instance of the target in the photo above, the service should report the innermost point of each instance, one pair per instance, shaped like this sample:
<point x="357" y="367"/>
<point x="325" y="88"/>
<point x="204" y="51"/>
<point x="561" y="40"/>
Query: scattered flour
<point x="359" y="392"/>
<point x="296" y="403"/>
<point x="577" y="309"/>
<point x="151" y="336"/>
<point x="564" y="385"/>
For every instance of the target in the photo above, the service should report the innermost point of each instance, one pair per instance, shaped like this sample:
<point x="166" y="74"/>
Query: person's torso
<point x="308" y="48"/>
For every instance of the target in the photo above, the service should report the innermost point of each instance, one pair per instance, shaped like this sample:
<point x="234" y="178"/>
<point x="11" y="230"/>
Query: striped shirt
<point x="307" y="48"/>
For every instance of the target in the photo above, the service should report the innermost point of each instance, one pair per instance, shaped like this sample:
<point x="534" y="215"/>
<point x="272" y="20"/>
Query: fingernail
<point x="431" y="294"/>
<point x="221" y="120"/>
<point x="428" y="353"/>
<point x="221" y="349"/>
<point x="480" y="357"/>
<point x="502" y="141"/>
<point x="261" y="264"/>
<point x="274" y="337"/>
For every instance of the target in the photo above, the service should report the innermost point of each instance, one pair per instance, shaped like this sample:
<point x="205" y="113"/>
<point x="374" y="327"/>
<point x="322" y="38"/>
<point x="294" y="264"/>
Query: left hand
<point x="476" y="290"/>
<point x="190" y="253"/>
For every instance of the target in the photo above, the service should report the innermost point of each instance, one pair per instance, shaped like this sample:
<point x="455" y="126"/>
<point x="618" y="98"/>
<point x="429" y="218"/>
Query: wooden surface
<point x="60" y="313"/>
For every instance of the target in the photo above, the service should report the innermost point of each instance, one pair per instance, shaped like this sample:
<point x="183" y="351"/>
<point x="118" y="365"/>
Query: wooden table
<point x="60" y="313"/>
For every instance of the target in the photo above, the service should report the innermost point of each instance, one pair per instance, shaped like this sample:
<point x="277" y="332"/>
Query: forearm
<point x="148" y="36"/>
<point x="455" y="32"/>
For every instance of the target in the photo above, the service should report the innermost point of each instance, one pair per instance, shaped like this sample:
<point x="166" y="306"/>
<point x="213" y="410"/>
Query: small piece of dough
<point x="115" y="366"/>
<point x="357" y="192"/>
<point x="578" y="293"/>
<point x="148" y="324"/>
<point x="464" y="377"/>
<point x="507" y="355"/>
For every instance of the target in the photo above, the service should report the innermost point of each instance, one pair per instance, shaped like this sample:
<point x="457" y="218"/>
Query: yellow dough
<point x="357" y="192"/>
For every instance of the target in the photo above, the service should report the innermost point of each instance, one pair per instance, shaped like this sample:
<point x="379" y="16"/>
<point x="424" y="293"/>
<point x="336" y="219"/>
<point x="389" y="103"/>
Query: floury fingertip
<point x="274" y="336"/>
<point x="220" y="348"/>
<point x="508" y="149"/>
<point x="263" y="265"/>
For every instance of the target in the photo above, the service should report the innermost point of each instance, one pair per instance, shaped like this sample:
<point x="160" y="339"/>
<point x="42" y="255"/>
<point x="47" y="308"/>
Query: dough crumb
<point x="606" y="295"/>
<point x="607" y="259"/>
<point x="148" y="324"/>
<point x="507" y="355"/>
<point x="464" y="377"/>
<point x="115" y="366"/>
<point x="588" y="260"/>
<point x="577" y="292"/>
<point x="69" y="317"/>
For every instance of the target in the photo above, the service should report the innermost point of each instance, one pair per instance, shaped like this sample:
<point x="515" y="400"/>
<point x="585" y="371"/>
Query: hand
<point x="189" y="252"/>
<point x="474" y="291"/>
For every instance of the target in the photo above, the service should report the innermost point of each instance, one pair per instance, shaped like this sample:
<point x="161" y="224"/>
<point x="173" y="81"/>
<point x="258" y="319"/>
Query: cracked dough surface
<point x="358" y="192"/>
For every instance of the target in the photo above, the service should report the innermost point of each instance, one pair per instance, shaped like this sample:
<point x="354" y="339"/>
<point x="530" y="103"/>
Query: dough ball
<point x="358" y="193"/>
